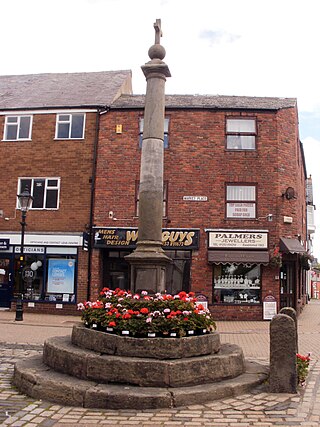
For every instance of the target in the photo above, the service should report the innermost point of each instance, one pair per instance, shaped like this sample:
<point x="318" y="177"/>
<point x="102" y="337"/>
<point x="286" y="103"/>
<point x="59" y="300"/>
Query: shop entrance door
<point x="5" y="281"/>
<point x="287" y="286"/>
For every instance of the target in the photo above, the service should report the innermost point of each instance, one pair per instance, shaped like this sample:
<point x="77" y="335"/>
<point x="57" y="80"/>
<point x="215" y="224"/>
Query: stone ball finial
<point x="157" y="51"/>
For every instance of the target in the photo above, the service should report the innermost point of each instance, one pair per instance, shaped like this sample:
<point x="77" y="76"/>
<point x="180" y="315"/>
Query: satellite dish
<point x="289" y="193"/>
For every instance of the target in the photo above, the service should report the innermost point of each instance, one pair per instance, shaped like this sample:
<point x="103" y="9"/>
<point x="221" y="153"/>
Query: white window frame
<point x="165" y="132"/>
<point x="46" y="189"/>
<point x="235" y="131"/>
<point x="59" y="121"/>
<point x="241" y="207"/>
<point x="8" y="124"/>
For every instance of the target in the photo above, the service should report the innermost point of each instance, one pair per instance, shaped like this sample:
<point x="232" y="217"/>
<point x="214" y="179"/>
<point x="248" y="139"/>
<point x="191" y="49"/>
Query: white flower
<point x="186" y="313"/>
<point x="108" y="305"/>
<point x="149" y="319"/>
<point x="166" y="310"/>
<point x="144" y="293"/>
<point x="81" y="306"/>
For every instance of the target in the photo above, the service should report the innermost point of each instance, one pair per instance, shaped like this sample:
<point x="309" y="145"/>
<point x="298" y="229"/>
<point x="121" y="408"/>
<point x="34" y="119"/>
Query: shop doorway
<point x="5" y="281"/>
<point x="287" y="285"/>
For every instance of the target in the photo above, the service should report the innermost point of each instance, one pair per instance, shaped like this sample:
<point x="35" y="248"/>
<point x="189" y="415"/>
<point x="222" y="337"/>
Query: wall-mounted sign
<point x="172" y="238"/>
<point x="4" y="244"/>
<point x="195" y="198"/>
<point x="45" y="239"/>
<point x="238" y="239"/>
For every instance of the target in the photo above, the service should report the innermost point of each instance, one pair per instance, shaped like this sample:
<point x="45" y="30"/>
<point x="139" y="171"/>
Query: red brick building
<point x="234" y="215"/>
<point x="234" y="204"/>
<point x="49" y="127"/>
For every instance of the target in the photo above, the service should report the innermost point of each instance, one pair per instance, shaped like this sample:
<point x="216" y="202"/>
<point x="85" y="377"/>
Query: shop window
<point x="116" y="270"/>
<point x="165" y="199"/>
<point x="178" y="273"/>
<point x="70" y="126"/>
<point x="165" y="135"/>
<point x="240" y="201"/>
<point x="241" y="134"/>
<point x="17" y="128"/>
<point x="45" y="277"/>
<point x="237" y="284"/>
<point x="45" y="191"/>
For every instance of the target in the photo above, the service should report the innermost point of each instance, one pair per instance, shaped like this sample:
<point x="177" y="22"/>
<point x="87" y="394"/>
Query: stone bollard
<point x="289" y="311"/>
<point x="283" y="350"/>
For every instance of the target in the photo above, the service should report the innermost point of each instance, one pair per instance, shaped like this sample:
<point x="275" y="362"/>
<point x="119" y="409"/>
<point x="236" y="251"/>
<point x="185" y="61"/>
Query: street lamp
<point x="24" y="203"/>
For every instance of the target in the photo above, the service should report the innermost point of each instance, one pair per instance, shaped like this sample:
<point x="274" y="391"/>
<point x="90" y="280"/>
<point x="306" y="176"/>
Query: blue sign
<point x="61" y="276"/>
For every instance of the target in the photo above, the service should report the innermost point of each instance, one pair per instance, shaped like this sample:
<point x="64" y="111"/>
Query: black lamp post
<point x="24" y="203"/>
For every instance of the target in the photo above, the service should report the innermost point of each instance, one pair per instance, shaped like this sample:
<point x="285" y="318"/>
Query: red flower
<point x="182" y="294"/>
<point x="126" y="316"/>
<point x="144" y="310"/>
<point x="112" y="324"/>
<point x="191" y="294"/>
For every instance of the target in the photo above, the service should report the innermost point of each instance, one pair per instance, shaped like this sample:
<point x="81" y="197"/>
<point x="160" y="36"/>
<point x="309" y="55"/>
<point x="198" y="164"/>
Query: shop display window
<point x="45" y="277"/>
<point x="237" y="284"/>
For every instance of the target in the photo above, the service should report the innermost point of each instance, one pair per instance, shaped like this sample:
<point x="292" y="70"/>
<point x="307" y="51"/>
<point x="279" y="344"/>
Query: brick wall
<point x="197" y="163"/>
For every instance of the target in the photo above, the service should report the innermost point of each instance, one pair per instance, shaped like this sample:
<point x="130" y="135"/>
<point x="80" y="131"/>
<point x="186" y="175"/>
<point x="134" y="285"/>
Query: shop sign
<point x="29" y="250"/>
<point x="238" y="239"/>
<point x="269" y="307"/>
<point x="180" y="238"/>
<point x="4" y="244"/>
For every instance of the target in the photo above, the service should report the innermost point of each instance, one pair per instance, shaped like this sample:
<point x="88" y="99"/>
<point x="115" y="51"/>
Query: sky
<point x="225" y="47"/>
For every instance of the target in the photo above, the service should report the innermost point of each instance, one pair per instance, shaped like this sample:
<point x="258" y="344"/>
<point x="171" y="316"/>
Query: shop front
<point x="46" y="273"/>
<point x="115" y="244"/>
<point x="237" y="258"/>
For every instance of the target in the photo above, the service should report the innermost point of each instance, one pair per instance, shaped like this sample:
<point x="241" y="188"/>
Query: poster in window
<point x="61" y="276"/>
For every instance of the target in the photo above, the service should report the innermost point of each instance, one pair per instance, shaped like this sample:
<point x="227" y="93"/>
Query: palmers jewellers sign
<point x="173" y="238"/>
<point x="237" y="239"/>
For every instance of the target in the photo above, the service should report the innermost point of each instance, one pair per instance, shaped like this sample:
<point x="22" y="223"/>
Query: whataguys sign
<point x="173" y="238"/>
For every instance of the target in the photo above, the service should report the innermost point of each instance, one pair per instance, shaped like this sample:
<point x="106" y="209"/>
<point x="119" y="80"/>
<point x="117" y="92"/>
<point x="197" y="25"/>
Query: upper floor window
<point x="165" y="135"/>
<point x="45" y="191"/>
<point x="165" y="199"/>
<point x="241" y="134"/>
<point x="17" y="128"/>
<point x="70" y="126"/>
<point x="241" y="201"/>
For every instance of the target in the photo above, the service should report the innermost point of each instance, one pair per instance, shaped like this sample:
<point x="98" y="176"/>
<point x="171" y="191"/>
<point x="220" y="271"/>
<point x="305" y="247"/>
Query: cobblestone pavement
<point x="258" y="408"/>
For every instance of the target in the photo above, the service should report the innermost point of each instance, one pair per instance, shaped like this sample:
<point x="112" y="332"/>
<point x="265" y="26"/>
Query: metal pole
<point x="19" y="303"/>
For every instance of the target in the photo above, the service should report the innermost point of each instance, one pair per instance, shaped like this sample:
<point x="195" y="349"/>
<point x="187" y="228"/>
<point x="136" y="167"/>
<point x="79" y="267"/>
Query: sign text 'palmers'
<point x="128" y="237"/>
<point x="238" y="239"/>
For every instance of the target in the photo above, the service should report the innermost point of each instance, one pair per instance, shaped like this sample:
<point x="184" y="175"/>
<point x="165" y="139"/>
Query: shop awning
<point x="291" y="246"/>
<point x="240" y="257"/>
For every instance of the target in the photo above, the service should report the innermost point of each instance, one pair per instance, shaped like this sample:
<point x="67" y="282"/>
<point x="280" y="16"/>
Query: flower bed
<point x="142" y="315"/>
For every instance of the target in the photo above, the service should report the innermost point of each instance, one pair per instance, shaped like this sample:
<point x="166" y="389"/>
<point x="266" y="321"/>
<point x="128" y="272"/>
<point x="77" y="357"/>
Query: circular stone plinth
<point x="155" y="348"/>
<point x="85" y="364"/>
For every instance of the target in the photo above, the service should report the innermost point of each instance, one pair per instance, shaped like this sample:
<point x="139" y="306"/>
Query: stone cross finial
<point x="157" y="27"/>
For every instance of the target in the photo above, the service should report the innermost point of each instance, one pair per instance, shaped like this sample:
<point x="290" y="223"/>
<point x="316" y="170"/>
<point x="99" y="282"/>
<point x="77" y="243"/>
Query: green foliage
<point x="302" y="368"/>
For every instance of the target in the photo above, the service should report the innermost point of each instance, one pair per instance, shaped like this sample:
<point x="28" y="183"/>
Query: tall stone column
<point x="148" y="261"/>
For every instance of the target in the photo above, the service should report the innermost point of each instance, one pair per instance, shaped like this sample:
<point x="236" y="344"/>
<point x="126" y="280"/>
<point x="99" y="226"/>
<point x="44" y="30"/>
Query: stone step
<point x="39" y="381"/>
<point x="61" y="355"/>
<point x="155" y="348"/>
